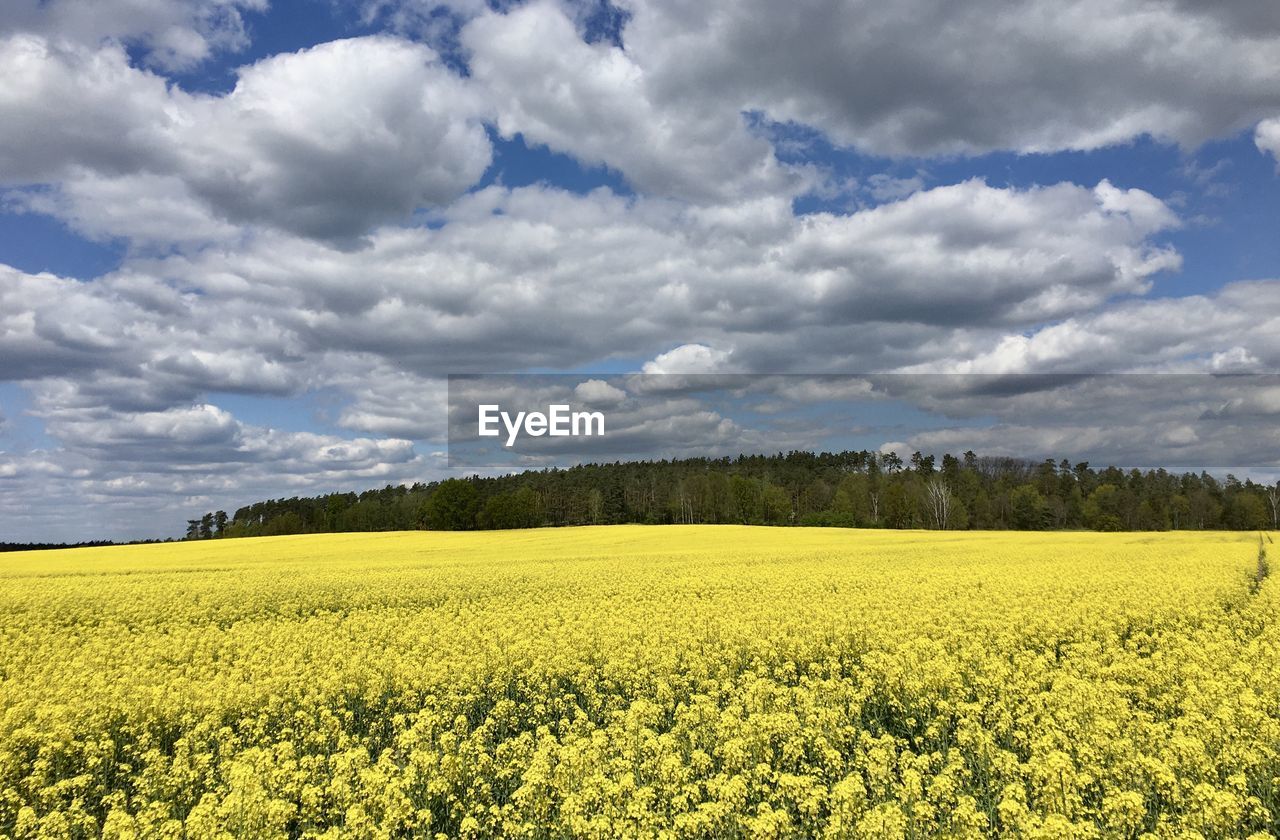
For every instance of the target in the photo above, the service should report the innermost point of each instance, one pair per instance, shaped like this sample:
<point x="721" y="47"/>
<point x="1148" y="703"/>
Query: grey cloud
<point x="388" y="401"/>
<point x="537" y="277"/>
<point x="133" y="343"/>
<point x="1007" y="255"/>
<point x="553" y="279"/>
<point x="124" y="475"/>
<point x="146" y="209"/>
<point x="928" y="77"/>
<point x="1172" y="334"/>
<point x="50" y="325"/>
<point x="921" y="77"/>
<point x="174" y="34"/>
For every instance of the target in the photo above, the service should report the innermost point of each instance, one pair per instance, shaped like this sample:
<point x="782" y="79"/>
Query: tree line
<point x="48" y="546"/>
<point x="856" y="489"/>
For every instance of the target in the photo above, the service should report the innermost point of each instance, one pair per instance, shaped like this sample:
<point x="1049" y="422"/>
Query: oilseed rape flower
<point x="664" y="682"/>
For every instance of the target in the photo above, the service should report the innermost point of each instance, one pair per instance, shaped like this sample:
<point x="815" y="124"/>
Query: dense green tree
<point x="745" y="498"/>
<point x="1101" y="509"/>
<point x="1028" y="510"/>
<point x="852" y="499"/>
<point x="521" y="509"/>
<point x="1247" y="512"/>
<point x="899" y="506"/>
<point x="288" y="522"/>
<point x="453" y="506"/>
<point x="775" y="505"/>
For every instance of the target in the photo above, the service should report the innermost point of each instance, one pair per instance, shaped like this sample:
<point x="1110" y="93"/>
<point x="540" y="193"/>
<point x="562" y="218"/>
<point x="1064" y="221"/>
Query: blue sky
<point x="242" y="242"/>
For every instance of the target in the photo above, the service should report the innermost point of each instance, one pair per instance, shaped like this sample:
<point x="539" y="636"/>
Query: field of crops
<point x="703" y="681"/>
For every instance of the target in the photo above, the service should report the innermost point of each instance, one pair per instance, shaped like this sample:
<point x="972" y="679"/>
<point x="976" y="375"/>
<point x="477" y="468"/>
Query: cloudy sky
<point x="242" y="241"/>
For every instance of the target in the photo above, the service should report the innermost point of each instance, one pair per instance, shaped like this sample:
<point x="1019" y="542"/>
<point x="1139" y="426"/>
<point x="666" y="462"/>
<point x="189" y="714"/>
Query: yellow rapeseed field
<point x="709" y="681"/>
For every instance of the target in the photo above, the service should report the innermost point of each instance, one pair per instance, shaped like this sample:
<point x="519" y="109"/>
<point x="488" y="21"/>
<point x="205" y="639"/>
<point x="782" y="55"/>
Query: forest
<point x="856" y="489"/>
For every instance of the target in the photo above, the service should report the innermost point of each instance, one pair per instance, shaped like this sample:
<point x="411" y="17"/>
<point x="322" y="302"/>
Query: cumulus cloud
<point x="388" y="401"/>
<point x="326" y="142"/>
<point x="926" y="77"/>
<point x="173" y="34"/>
<point x="119" y="474"/>
<point x="331" y="140"/>
<point x="1006" y="255"/>
<point x="596" y="392"/>
<point x="66" y="106"/>
<point x="133" y="342"/>
<point x="888" y="79"/>
<point x="144" y="208"/>
<point x="1172" y="334"/>
<point x="60" y="495"/>
<point x="539" y="277"/>
<point x="593" y="101"/>
<point x="688" y="358"/>
<point x="51" y="325"/>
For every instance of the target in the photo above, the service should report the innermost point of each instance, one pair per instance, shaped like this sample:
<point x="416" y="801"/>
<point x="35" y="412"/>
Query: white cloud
<point x="597" y="392"/>
<point x="925" y="77"/>
<point x="331" y="140"/>
<point x="896" y="447"/>
<point x="919" y="77"/>
<point x="1236" y="359"/>
<point x="538" y="277"/>
<point x="389" y="401"/>
<point x="144" y="208"/>
<point x="1267" y="137"/>
<point x="594" y="102"/>
<point x="1236" y="328"/>
<point x="50" y="325"/>
<point x="174" y="34"/>
<point x="688" y="359"/>
<point x="325" y="142"/>
<point x="970" y="253"/>
<point x="66" y="106"/>
<point x="122" y="477"/>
